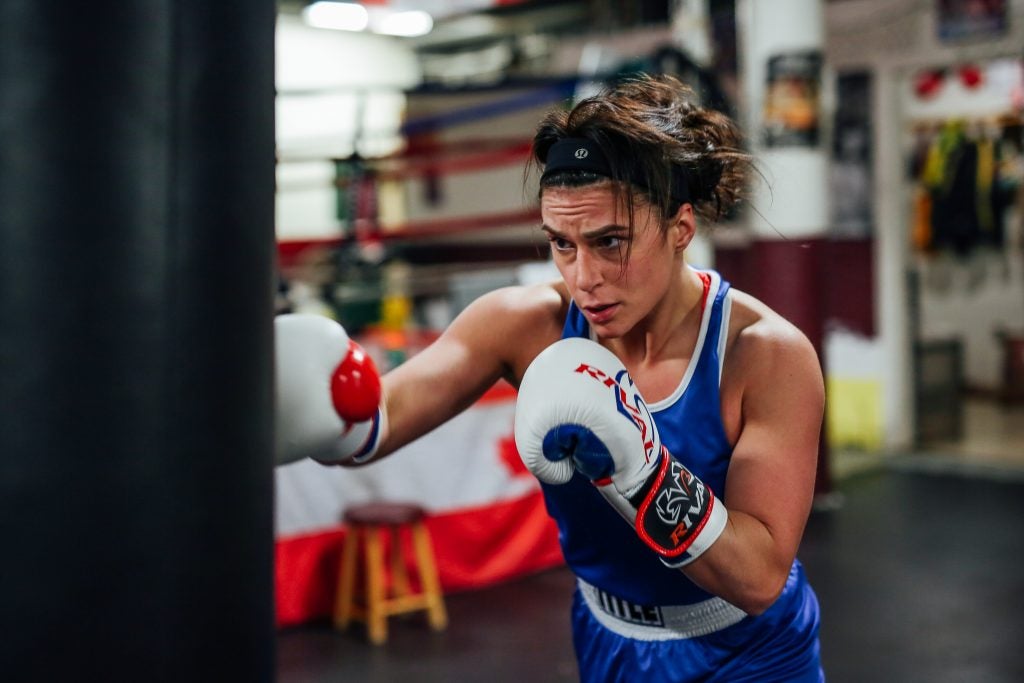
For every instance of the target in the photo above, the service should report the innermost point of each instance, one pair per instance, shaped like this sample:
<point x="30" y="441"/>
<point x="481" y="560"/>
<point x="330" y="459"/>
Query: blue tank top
<point x="602" y="548"/>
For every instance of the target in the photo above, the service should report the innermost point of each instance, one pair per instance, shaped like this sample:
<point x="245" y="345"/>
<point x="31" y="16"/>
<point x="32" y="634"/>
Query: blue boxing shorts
<point x="711" y="641"/>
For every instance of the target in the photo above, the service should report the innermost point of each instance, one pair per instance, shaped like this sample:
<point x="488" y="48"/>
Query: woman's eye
<point x="609" y="242"/>
<point x="560" y="244"/>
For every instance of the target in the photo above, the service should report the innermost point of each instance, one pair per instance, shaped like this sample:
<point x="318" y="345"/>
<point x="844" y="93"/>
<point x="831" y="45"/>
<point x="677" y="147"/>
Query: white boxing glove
<point x="578" y="410"/>
<point x="328" y="393"/>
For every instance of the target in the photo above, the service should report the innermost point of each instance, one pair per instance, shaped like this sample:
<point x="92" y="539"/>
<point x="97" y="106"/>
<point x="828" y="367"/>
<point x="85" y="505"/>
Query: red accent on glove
<point x="355" y="386"/>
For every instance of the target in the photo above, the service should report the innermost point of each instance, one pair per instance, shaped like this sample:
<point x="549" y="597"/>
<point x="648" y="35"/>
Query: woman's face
<point x="588" y="229"/>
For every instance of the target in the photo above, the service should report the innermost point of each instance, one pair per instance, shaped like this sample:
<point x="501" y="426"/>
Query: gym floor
<point x="918" y="572"/>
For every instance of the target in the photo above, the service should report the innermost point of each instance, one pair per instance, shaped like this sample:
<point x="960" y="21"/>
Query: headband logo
<point x="582" y="153"/>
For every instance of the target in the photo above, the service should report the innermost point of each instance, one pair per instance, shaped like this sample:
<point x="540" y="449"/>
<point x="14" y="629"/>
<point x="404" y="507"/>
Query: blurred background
<point x="173" y="174"/>
<point x="887" y="223"/>
<point x="401" y="192"/>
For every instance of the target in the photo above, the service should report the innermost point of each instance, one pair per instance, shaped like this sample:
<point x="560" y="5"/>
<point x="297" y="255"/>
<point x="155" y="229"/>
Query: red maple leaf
<point x="509" y="455"/>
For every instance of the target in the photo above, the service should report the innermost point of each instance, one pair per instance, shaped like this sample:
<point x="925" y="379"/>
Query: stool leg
<point x="436" y="613"/>
<point x="346" y="580"/>
<point x="399" y="576"/>
<point x="376" y="617"/>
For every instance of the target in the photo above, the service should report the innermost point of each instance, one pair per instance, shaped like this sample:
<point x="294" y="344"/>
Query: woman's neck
<point x="667" y="330"/>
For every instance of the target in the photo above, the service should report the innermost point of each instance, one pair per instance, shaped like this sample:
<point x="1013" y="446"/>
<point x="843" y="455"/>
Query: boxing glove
<point x="327" y="393"/>
<point x="579" y="411"/>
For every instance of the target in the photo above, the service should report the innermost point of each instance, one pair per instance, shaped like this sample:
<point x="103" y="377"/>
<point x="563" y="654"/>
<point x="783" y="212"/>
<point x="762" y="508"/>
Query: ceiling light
<point x="344" y="16"/>
<point x="407" y="24"/>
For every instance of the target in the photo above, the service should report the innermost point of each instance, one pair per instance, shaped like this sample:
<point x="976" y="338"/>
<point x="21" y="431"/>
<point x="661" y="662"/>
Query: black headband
<point x="581" y="154"/>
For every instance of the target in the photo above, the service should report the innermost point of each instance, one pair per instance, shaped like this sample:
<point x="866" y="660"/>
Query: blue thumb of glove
<point x="588" y="452"/>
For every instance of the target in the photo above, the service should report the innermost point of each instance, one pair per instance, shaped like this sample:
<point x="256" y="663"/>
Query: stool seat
<point x="384" y="514"/>
<point x="369" y="526"/>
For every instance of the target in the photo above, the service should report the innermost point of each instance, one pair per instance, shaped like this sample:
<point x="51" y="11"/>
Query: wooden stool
<point x="369" y="523"/>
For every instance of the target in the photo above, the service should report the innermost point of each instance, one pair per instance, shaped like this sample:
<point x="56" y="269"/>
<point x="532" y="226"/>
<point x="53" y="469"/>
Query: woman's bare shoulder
<point x="537" y="304"/>
<point x="766" y="358"/>
<point x="516" y="323"/>
<point x="759" y="336"/>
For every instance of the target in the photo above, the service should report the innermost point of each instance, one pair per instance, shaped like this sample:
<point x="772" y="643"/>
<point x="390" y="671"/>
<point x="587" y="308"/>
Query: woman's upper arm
<point x="482" y="345"/>
<point x="770" y="483"/>
<point x="774" y="462"/>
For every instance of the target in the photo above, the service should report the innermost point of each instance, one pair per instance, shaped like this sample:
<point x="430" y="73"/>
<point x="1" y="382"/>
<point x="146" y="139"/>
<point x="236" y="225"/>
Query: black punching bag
<point x="136" y="285"/>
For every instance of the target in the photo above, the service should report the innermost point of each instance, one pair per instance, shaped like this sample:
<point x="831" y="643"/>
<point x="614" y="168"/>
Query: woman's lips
<point x="601" y="313"/>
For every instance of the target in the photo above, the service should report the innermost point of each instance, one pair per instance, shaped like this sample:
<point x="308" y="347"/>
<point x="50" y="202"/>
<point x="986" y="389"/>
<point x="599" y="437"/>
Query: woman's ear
<point x="683" y="227"/>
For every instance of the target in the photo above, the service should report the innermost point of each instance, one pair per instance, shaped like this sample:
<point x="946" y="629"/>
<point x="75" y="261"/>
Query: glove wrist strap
<point x="359" y="441"/>
<point x="677" y="515"/>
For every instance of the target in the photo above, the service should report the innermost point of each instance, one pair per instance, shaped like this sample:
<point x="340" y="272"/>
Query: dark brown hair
<point x="650" y="127"/>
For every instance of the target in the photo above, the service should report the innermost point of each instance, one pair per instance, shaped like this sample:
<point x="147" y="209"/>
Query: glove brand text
<point x="635" y="410"/>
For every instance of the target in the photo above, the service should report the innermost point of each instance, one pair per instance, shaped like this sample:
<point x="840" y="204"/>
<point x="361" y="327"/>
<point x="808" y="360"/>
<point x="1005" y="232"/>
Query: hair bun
<point x="705" y="176"/>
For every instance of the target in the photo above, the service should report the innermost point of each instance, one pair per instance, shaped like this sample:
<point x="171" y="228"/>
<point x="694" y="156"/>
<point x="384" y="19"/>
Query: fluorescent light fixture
<point x="407" y="24"/>
<point x="344" y="16"/>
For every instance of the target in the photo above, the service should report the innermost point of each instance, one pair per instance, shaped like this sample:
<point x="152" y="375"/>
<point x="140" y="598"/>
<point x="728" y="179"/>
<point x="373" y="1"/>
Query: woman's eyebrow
<point x="605" y="231"/>
<point x="590" y="234"/>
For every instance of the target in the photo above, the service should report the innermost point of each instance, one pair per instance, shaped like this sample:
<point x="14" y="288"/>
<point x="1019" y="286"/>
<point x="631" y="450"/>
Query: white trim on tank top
<point x="723" y="333"/>
<point x="705" y="322"/>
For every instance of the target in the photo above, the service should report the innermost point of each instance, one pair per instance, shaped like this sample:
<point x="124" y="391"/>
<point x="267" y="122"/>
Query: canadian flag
<point x="486" y="511"/>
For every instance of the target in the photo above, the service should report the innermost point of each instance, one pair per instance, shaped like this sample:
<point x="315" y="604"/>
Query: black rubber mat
<point x="920" y="576"/>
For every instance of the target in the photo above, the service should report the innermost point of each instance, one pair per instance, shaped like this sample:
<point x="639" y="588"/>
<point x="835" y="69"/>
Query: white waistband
<point x="669" y="622"/>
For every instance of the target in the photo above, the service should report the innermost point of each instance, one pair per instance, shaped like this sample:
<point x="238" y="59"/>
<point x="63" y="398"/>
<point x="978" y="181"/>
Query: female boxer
<point x="673" y="421"/>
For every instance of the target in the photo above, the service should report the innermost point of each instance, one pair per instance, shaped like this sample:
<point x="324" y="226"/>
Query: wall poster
<point x="791" y="102"/>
